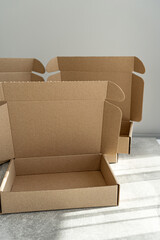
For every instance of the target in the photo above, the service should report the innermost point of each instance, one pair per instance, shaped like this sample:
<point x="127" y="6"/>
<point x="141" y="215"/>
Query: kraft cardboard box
<point x="117" y="69"/>
<point x="20" y="69"/>
<point x="60" y="137"/>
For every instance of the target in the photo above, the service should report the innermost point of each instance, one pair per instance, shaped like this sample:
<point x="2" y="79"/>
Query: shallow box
<point x="51" y="183"/>
<point x="20" y="69"/>
<point x="117" y="69"/>
<point x="60" y="137"/>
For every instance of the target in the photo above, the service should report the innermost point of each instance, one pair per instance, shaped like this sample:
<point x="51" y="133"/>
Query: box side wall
<point x="111" y="129"/>
<point x="9" y="177"/>
<point x="124" y="142"/>
<point x="59" y="199"/>
<point x="107" y="173"/>
<point x="137" y="98"/>
<point x="57" y="164"/>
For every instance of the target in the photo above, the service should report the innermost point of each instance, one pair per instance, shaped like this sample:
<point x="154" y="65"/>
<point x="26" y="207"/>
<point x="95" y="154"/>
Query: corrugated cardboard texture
<point x="62" y="118"/>
<point x="116" y="69"/>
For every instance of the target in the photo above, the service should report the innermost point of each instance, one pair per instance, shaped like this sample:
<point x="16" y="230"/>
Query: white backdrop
<point x="47" y="28"/>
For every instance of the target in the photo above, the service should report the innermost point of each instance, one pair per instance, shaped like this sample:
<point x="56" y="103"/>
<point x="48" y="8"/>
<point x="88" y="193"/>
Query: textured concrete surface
<point x="137" y="217"/>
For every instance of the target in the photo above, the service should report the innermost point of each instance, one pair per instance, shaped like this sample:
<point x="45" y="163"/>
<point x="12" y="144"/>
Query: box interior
<point x="54" y="119"/>
<point x="57" y="173"/>
<point x="20" y="70"/>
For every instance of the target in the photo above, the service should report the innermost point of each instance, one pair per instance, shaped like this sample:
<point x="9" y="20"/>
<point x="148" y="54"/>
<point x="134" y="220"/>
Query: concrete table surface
<point x="137" y="217"/>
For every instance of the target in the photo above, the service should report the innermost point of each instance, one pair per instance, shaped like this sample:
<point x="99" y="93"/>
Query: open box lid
<point x="20" y="69"/>
<point x="117" y="69"/>
<point x="58" y="118"/>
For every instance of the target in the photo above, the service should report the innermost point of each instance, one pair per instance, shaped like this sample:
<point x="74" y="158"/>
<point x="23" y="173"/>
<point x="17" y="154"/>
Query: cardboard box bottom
<point x="60" y="183"/>
<point x="124" y="141"/>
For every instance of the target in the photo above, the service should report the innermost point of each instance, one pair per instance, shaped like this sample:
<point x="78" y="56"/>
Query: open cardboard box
<point x="61" y="137"/>
<point x="117" y="69"/>
<point x="20" y="69"/>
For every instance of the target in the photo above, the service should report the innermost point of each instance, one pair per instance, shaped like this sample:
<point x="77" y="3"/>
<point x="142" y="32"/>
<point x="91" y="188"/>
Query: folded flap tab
<point x="137" y="98"/>
<point x="38" y="66"/>
<point x="112" y="117"/>
<point x="55" y="77"/>
<point x="52" y="65"/>
<point x="114" y="92"/>
<point x="138" y="66"/>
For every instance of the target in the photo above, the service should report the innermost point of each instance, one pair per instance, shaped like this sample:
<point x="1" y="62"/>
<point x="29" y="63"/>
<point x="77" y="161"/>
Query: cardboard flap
<point x="122" y="79"/>
<point x="111" y="128"/>
<point x="52" y="65"/>
<point x="62" y="91"/>
<point x="137" y="98"/>
<point x="96" y="64"/>
<point x="114" y="92"/>
<point x="61" y="118"/>
<point x="6" y="144"/>
<point x="56" y="128"/>
<point x="48" y="91"/>
<point x="19" y="77"/>
<point x="21" y="65"/>
<point x="138" y="66"/>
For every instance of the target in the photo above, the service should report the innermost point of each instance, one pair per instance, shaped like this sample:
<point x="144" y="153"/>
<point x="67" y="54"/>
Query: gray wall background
<point x="47" y="28"/>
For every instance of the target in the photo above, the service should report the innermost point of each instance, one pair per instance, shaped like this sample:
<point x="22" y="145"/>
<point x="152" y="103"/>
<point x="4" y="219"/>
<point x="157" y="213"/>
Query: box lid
<point x="59" y="118"/>
<point x="20" y="69"/>
<point x="117" y="69"/>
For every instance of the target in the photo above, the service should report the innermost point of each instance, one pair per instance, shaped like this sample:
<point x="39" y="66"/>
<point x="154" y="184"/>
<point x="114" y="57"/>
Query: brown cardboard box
<point x="117" y="69"/>
<point x="20" y="69"/>
<point x="60" y="137"/>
